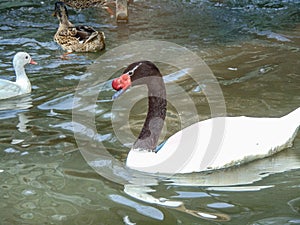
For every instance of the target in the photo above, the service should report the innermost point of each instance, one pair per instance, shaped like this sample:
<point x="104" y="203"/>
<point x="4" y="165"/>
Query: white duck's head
<point x="21" y="59"/>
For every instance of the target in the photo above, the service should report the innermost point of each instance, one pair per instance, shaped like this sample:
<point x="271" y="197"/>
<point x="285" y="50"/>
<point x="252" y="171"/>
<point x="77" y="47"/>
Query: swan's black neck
<point x="157" y="107"/>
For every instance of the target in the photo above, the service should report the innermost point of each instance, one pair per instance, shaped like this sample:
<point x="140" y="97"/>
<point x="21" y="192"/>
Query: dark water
<point x="253" y="49"/>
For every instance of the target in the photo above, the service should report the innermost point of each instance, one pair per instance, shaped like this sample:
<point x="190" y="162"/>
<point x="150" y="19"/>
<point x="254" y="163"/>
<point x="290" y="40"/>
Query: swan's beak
<point x="33" y="62"/>
<point x="121" y="84"/>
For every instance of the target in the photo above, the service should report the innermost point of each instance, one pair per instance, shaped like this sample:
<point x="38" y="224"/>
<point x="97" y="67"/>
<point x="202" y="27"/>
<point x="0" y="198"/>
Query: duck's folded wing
<point x="85" y="33"/>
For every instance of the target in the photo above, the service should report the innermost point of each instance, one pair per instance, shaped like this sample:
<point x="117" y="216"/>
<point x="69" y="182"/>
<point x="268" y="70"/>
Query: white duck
<point x="210" y="144"/>
<point x="22" y="84"/>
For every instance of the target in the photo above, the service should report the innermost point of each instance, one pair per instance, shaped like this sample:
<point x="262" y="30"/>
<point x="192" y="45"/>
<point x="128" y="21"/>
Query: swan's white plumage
<point x="210" y="144"/>
<point x="218" y="143"/>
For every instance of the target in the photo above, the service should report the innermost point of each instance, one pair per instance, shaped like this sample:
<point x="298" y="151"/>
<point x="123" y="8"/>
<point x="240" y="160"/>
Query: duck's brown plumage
<point x="81" y="4"/>
<point x="76" y="38"/>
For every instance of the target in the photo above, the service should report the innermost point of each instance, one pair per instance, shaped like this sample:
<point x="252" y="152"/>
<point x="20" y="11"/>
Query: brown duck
<point x="76" y="38"/>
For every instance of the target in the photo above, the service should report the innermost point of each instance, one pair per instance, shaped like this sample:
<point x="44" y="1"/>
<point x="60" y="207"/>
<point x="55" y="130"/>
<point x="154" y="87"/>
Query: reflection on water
<point x="251" y="46"/>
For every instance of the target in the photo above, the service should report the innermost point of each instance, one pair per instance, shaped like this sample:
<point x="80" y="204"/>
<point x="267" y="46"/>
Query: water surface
<point x="252" y="47"/>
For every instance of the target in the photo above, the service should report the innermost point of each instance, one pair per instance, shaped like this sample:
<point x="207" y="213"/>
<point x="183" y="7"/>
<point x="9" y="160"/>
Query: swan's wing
<point x="8" y="89"/>
<point x="219" y="142"/>
<point x="216" y="143"/>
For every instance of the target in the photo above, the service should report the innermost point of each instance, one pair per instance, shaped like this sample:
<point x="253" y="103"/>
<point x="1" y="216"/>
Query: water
<point x="252" y="47"/>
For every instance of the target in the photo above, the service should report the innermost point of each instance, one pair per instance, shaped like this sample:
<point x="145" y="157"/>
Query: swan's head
<point x="133" y="75"/>
<point x="22" y="58"/>
<point x="60" y="10"/>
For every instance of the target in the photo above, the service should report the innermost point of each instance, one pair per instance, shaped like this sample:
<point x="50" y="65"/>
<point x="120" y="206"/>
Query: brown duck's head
<point x="60" y="10"/>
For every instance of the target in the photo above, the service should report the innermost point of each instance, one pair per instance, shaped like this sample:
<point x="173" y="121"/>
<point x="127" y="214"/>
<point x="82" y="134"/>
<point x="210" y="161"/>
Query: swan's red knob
<point x="123" y="82"/>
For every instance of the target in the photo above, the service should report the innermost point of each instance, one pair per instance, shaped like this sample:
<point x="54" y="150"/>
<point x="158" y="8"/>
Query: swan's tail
<point x="294" y="117"/>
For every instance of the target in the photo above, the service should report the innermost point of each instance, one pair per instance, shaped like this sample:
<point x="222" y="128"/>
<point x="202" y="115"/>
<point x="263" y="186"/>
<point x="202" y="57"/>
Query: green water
<point x="252" y="48"/>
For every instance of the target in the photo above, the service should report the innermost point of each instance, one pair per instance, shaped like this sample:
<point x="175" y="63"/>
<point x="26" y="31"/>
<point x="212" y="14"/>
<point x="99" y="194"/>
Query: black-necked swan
<point x="197" y="148"/>
<point x="22" y="84"/>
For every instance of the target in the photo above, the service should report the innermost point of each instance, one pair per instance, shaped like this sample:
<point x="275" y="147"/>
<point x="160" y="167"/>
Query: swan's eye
<point x="26" y="57"/>
<point x="131" y="72"/>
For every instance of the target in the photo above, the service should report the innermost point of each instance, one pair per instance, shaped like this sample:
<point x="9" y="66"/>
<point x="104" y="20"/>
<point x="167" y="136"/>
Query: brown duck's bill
<point x="121" y="84"/>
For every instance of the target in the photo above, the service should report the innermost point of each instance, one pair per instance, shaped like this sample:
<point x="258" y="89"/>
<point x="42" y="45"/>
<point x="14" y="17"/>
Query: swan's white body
<point x="207" y="145"/>
<point x="218" y="143"/>
<point x="22" y="84"/>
